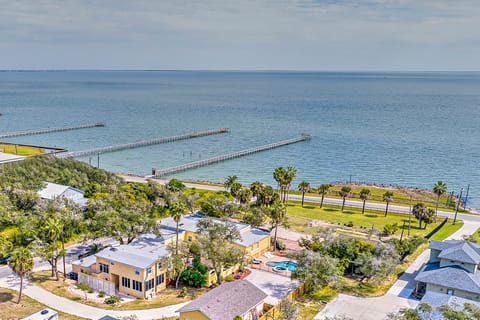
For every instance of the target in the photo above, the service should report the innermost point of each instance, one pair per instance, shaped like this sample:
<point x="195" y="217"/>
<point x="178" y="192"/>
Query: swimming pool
<point x="289" y="265"/>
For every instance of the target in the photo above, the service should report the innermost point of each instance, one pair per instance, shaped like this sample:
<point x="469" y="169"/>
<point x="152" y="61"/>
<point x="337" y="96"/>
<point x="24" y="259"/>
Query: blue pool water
<point x="289" y="265"/>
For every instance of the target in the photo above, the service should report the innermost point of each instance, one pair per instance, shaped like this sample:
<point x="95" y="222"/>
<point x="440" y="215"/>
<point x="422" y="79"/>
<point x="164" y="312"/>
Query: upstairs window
<point x="103" y="267"/>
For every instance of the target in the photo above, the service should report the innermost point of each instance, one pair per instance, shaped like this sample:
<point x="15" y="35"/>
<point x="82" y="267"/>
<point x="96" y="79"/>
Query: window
<point x="136" y="285"/>
<point x="450" y="292"/>
<point x="160" y="279"/>
<point x="137" y="273"/>
<point x="112" y="263"/>
<point x="149" y="270"/>
<point x="189" y="238"/>
<point x="125" y="282"/>
<point x="149" y="284"/>
<point x="159" y="265"/>
<point x="103" y="267"/>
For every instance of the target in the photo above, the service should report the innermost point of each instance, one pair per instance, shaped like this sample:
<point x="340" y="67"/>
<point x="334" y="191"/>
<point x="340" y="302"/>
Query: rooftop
<point x="54" y="190"/>
<point x="461" y="251"/>
<point x="227" y="300"/>
<point x="452" y="277"/>
<point x="141" y="253"/>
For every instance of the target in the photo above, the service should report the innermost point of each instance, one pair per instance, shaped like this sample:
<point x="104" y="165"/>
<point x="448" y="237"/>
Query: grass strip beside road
<point x="167" y="297"/>
<point x="11" y="310"/>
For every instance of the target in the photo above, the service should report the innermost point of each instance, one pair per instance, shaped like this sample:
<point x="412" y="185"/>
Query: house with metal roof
<point x="253" y="242"/>
<point x="231" y="299"/>
<point x="452" y="270"/>
<point x="52" y="191"/>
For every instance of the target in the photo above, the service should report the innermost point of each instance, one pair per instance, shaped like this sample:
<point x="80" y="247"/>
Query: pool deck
<point x="263" y="266"/>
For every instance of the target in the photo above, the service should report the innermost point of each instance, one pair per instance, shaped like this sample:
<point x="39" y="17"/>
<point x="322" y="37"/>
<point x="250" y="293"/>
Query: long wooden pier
<point x="206" y="162"/>
<point x="143" y="143"/>
<point x="48" y="130"/>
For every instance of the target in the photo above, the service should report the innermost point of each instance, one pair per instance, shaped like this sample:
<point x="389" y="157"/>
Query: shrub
<point x="390" y="229"/>
<point x="84" y="287"/>
<point x="91" y="290"/>
<point x="229" y="278"/>
<point x="112" y="300"/>
<point x="349" y="224"/>
<point x="101" y="294"/>
<point x="183" y="293"/>
<point x="281" y="245"/>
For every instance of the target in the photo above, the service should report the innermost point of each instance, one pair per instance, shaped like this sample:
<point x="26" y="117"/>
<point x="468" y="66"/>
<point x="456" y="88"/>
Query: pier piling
<point x="143" y="143"/>
<point x="49" y="130"/>
<point x="201" y="163"/>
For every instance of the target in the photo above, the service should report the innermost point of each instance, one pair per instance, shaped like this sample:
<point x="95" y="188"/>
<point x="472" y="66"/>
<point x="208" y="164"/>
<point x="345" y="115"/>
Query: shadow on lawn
<point x="6" y="297"/>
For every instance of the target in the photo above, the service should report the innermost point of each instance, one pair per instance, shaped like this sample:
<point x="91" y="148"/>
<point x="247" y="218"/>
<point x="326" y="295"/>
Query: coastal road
<point x="314" y="199"/>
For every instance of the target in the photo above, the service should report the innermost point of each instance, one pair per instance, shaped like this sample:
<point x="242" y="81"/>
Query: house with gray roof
<point x="452" y="269"/>
<point x="52" y="191"/>
<point x="231" y="299"/>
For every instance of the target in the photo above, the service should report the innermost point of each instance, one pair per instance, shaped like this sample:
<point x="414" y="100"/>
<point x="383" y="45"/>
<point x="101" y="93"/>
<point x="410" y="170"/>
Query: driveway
<point x="359" y="308"/>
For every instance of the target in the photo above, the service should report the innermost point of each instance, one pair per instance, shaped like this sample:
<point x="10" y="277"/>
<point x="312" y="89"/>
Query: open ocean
<point x="407" y="129"/>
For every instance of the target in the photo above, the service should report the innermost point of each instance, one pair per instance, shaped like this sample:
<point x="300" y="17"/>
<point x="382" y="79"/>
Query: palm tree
<point x="235" y="189"/>
<point x="278" y="214"/>
<point x="440" y="188"/>
<point x="304" y="187"/>
<point x="420" y="211"/>
<point x="323" y="190"/>
<point x="256" y="188"/>
<point x="344" y="193"/>
<point x="244" y="195"/>
<point x="229" y="181"/>
<point x="387" y="197"/>
<point x="177" y="210"/>
<point x="364" y="195"/>
<point x="291" y="174"/>
<point x="279" y="175"/>
<point x="21" y="263"/>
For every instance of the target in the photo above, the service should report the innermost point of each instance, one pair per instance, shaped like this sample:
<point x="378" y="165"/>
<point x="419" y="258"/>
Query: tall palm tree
<point x="177" y="210"/>
<point x="304" y="187"/>
<point x="364" y="195"/>
<point x="279" y="174"/>
<point x="290" y="175"/>
<point x="278" y="214"/>
<point x="420" y="211"/>
<point x="323" y="190"/>
<point x="21" y="263"/>
<point x="244" y="195"/>
<point x="235" y="189"/>
<point x="345" y="192"/>
<point x="440" y="188"/>
<point x="387" y="197"/>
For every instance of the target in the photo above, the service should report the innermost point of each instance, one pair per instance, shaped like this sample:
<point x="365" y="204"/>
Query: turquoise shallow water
<point x="391" y="128"/>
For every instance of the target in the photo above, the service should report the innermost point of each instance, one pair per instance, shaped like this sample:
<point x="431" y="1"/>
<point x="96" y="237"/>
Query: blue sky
<point x="240" y="35"/>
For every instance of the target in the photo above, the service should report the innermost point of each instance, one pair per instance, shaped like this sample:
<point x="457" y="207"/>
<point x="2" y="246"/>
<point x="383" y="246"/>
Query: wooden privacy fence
<point x="272" y="312"/>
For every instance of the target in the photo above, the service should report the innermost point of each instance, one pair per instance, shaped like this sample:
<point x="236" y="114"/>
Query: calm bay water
<point x="388" y="128"/>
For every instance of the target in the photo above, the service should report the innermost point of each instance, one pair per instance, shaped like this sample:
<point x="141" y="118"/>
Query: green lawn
<point x="298" y="217"/>
<point x="448" y="229"/>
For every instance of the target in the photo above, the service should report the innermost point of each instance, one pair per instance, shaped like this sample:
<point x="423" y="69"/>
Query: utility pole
<point x="98" y="160"/>
<point x="403" y="229"/>
<point x="466" y="197"/>
<point x="410" y="216"/>
<point x="458" y="205"/>
<point x="350" y="179"/>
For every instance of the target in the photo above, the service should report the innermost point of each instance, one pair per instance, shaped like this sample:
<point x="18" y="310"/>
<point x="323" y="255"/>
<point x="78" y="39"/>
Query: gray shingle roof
<point x="251" y="236"/>
<point x="189" y="223"/>
<point x="457" y="250"/>
<point x="227" y="301"/>
<point x="451" y="277"/>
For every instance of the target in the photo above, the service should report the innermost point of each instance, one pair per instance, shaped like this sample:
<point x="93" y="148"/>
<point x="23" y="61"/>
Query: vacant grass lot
<point x="298" y="217"/>
<point x="11" y="310"/>
<point x="20" y="150"/>
<point x="167" y="297"/>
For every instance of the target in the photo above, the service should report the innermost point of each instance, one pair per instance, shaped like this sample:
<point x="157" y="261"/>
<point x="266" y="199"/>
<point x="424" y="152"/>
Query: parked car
<point x="5" y="259"/>
<point x="72" y="275"/>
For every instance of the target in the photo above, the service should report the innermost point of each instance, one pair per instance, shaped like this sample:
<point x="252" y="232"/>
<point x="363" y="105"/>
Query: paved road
<point x="398" y="296"/>
<point x="317" y="200"/>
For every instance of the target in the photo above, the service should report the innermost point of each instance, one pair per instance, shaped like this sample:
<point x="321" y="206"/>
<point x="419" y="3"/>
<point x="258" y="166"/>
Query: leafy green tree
<point x="278" y="215"/>
<point x="255" y="216"/>
<point x="21" y="263"/>
<point x="304" y="187"/>
<point x="288" y="310"/>
<point x="364" y="195"/>
<point x="51" y="253"/>
<point x="422" y="213"/>
<point x="387" y="197"/>
<point x="267" y="196"/>
<point x="379" y="265"/>
<point x="177" y="211"/>
<point x="215" y="240"/>
<point x="191" y="201"/>
<point x="175" y="185"/>
<point x="440" y="188"/>
<point x="315" y="269"/>
<point x="5" y="246"/>
<point x="345" y="192"/>
<point x="323" y="190"/>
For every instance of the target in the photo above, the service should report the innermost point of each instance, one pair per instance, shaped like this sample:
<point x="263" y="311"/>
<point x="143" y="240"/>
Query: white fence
<point x="97" y="284"/>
